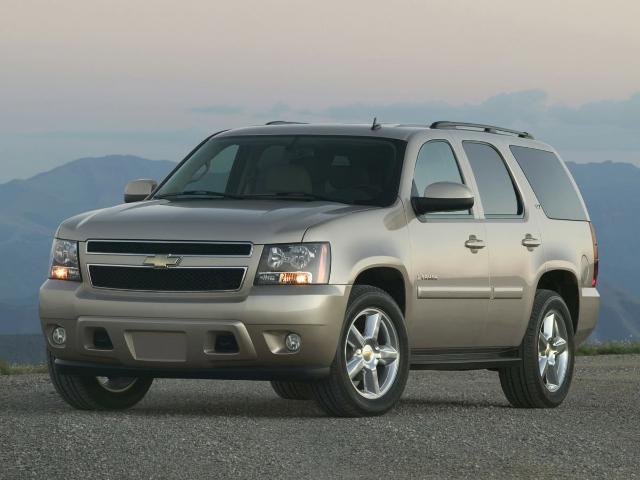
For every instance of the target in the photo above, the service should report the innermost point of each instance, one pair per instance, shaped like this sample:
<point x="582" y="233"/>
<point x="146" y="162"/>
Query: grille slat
<point x="169" y="248"/>
<point x="182" y="279"/>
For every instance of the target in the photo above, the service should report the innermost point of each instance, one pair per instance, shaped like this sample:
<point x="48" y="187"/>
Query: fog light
<point x="293" y="342"/>
<point x="59" y="336"/>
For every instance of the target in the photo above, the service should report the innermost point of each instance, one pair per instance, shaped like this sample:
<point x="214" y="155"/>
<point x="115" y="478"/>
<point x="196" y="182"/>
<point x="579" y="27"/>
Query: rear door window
<point x="495" y="185"/>
<point x="550" y="182"/>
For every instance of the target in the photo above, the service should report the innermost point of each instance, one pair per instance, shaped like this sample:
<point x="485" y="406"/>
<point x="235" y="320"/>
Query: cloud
<point x="218" y="109"/>
<point x="112" y="135"/>
<point x="610" y="125"/>
<point x="618" y="113"/>
<point x="520" y="107"/>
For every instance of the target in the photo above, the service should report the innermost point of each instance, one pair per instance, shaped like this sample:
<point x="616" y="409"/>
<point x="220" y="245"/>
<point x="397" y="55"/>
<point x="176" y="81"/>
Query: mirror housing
<point x="443" y="197"/>
<point x="138" y="190"/>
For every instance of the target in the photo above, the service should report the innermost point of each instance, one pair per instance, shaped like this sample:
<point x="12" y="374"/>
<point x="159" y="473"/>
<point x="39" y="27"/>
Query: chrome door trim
<point x="508" y="292"/>
<point x="454" y="292"/>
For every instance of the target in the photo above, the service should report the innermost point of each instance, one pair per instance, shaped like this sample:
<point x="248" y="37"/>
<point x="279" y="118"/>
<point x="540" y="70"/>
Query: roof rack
<point x="284" y="122"/>
<point x="479" y="126"/>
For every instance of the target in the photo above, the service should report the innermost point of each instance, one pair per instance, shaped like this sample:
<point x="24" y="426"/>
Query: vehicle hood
<point x="256" y="221"/>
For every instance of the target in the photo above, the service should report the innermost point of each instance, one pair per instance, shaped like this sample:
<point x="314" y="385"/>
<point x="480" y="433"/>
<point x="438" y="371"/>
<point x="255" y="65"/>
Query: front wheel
<point x="370" y="369"/>
<point x="543" y="377"/>
<point x="98" y="393"/>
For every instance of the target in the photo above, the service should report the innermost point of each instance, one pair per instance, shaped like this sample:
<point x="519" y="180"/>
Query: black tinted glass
<point x="495" y="185"/>
<point x="353" y="170"/>
<point x="436" y="163"/>
<point x="550" y="182"/>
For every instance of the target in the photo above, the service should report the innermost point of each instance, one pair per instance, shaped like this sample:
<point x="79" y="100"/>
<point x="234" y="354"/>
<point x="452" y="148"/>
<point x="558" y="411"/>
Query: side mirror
<point x="443" y="197"/>
<point x="138" y="190"/>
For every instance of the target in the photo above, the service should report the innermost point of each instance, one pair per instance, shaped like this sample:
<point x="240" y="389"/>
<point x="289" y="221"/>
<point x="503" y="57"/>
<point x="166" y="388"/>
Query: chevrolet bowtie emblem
<point x="162" y="261"/>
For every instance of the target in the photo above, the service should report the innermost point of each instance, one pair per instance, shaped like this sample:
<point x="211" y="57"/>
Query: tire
<point x="339" y="395"/>
<point x="292" y="390"/>
<point x="525" y="385"/>
<point x="90" y="393"/>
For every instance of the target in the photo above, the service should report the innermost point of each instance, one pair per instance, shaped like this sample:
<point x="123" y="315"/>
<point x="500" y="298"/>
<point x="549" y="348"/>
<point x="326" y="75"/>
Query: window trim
<point x="431" y="217"/>
<point x="516" y="189"/>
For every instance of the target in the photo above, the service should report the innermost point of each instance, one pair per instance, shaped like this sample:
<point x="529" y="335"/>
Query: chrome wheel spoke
<point x="355" y="366"/>
<point x="548" y="325"/>
<point x="355" y="338"/>
<point x="552" y="373"/>
<point x="388" y="355"/>
<point x="561" y="364"/>
<point x="542" y="344"/>
<point x="560" y="345"/>
<point x="372" y="325"/>
<point x="370" y="380"/>
<point x="543" y="365"/>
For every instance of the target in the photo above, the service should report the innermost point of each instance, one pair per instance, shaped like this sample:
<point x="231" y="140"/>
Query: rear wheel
<point x="370" y="369"/>
<point x="543" y="377"/>
<point x="292" y="390"/>
<point x="98" y="393"/>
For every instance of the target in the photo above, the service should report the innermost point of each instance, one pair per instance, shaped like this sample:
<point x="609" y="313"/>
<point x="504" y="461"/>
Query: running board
<point x="463" y="358"/>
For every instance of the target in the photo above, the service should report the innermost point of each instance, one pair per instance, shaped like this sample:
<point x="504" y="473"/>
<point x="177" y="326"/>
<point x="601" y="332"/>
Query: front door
<point x="449" y="260"/>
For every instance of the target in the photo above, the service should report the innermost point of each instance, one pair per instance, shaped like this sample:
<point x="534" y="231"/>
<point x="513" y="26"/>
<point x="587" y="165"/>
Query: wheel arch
<point x="565" y="283"/>
<point x="388" y="278"/>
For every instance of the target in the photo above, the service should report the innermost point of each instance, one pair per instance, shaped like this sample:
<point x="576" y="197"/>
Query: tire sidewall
<point x="359" y="301"/>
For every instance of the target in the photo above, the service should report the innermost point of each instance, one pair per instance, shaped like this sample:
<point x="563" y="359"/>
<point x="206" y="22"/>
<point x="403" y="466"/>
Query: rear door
<point x="513" y="242"/>
<point x="449" y="261"/>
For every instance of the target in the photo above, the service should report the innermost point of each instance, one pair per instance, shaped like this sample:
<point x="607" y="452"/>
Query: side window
<point x="436" y="162"/>
<point x="495" y="185"/>
<point x="550" y="182"/>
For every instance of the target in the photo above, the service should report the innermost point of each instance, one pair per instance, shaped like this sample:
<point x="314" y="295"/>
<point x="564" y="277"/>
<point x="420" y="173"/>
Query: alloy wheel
<point x="116" y="384"/>
<point x="553" y="351"/>
<point x="372" y="353"/>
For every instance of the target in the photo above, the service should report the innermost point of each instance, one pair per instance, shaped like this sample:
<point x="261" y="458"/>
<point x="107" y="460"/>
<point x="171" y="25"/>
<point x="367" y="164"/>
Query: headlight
<point x="295" y="264"/>
<point x="64" y="261"/>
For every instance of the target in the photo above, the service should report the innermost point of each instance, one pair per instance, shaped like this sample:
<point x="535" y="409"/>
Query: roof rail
<point x="479" y="126"/>
<point x="284" y="122"/>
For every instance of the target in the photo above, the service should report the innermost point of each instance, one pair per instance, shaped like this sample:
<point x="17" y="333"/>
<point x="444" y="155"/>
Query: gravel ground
<point x="448" y="425"/>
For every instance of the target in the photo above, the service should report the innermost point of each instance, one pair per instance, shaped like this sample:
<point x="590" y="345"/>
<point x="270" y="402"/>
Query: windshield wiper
<point x="197" y="193"/>
<point x="292" y="196"/>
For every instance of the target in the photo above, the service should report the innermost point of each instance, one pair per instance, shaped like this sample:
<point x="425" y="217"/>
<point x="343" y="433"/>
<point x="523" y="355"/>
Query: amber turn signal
<point x="295" y="278"/>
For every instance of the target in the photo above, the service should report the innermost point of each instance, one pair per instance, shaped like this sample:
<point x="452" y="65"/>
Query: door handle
<point x="530" y="241"/>
<point x="474" y="243"/>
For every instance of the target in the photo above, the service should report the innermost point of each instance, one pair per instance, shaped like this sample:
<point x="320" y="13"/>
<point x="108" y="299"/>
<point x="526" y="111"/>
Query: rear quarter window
<point x="550" y="182"/>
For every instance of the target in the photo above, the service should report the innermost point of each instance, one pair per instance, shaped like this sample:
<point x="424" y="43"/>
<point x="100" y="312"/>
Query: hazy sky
<point x="87" y="78"/>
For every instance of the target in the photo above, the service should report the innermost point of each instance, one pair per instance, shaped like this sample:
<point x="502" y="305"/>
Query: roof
<point x="400" y="132"/>
<point x="385" y="130"/>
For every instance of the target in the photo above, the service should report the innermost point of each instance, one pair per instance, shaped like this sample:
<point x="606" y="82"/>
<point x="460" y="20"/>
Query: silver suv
<point x="330" y="260"/>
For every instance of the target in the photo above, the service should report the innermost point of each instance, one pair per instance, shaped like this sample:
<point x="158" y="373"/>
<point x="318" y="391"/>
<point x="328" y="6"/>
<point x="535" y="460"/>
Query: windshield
<point x="352" y="170"/>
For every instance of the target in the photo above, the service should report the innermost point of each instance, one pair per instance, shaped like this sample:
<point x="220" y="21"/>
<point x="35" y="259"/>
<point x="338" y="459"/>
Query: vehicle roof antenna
<point x="375" y="125"/>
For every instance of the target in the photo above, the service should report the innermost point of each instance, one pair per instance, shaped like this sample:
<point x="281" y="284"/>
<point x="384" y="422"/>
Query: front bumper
<point x="172" y="336"/>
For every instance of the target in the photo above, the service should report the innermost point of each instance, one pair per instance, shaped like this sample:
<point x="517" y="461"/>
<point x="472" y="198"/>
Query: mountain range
<point x="31" y="209"/>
